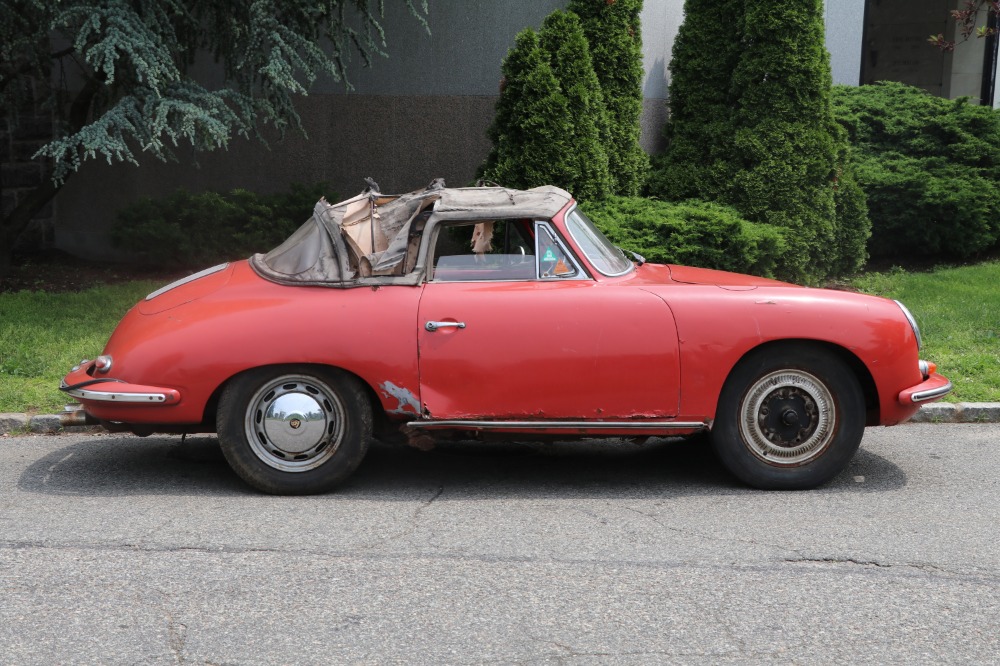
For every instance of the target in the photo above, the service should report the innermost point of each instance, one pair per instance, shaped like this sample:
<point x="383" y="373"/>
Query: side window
<point x="553" y="260"/>
<point x="491" y="250"/>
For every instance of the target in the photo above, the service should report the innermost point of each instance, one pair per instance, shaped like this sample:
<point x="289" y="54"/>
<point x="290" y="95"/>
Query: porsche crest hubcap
<point x="788" y="418"/>
<point x="294" y="423"/>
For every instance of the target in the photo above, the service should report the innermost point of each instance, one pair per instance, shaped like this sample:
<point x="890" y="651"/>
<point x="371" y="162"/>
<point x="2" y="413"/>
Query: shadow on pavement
<point x="115" y="466"/>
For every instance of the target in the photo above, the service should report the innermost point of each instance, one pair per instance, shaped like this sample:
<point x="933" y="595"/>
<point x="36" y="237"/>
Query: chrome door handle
<point x="435" y="325"/>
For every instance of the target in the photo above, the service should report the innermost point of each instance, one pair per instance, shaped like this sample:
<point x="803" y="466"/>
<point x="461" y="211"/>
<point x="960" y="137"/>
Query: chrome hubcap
<point x="294" y="423"/>
<point x="788" y="418"/>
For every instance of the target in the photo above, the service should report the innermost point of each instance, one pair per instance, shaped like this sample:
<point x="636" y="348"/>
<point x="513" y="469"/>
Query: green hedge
<point x="693" y="233"/>
<point x="185" y="230"/>
<point x="930" y="167"/>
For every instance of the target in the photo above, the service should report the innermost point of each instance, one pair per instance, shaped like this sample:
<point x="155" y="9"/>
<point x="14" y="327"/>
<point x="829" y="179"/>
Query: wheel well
<point x="848" y="357"/>
<point x="379" y="418"/>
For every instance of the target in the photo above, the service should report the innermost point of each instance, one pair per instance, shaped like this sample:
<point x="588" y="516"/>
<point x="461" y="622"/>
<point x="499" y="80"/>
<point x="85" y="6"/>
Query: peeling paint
<point x="408" y="403"/>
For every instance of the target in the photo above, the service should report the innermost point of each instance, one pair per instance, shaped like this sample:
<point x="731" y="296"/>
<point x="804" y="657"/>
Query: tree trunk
<point x="22" y="215"/>
<point x="14" y="224"/>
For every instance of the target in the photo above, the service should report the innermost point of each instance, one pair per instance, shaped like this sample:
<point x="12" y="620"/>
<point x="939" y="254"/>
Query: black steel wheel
<point x="294" y="430"/>
<point x="789" y="417"/>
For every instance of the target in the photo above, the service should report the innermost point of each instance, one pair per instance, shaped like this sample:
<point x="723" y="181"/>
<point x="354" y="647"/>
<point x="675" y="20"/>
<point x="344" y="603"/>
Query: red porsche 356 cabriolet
<point x="491" y="310"/>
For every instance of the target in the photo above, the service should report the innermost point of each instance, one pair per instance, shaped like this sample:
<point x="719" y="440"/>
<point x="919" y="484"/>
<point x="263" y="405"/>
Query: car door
<point x="544" y="344"/>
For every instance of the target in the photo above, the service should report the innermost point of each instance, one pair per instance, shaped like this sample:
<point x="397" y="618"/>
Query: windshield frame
<point x="594" y="236"/>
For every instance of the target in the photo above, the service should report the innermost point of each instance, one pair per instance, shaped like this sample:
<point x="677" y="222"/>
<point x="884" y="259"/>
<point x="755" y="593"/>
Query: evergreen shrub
<point x="614" y="33"/>
<point x="929" y="166"/>
<point x="751" y="126"/>
<point x="185" y="230"/>
<point x="694" y="233"/>
<point x="555" y="122"/>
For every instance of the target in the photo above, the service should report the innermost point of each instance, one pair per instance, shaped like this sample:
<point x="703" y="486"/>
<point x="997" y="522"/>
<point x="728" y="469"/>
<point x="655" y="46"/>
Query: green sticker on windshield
<point x="549" y="255"/>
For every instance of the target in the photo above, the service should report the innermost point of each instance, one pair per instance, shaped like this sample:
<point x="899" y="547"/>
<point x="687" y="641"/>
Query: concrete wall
<point x="844" y="31"/>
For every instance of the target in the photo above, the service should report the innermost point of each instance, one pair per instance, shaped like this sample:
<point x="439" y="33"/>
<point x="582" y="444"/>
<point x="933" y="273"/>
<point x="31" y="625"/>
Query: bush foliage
<point x="186" y="230"/>
<point x="930" y="168"/>
<point x="694" y="233"/>
<point x="614" y="34"/>
<point x="751" y="126"/>
<point x="533" y="132"/>
<point x="555" y="121"/>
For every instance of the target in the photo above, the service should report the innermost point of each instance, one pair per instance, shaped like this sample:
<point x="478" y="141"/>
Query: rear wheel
<point x="294" y="430"/>
<point x="789" y="418"/>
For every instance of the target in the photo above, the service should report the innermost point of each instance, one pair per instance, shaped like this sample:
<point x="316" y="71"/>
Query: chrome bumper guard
<point x="127" y="393"/>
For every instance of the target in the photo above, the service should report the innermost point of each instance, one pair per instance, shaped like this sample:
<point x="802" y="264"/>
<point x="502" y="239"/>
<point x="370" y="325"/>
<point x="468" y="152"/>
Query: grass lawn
<point x="958" y="310"/>
<point x="42" y="335"/>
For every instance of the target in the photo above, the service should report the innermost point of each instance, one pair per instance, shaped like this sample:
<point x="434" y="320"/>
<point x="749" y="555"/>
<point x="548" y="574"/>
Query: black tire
<point x="294" y="430"/>
<point x="789" y="418"/>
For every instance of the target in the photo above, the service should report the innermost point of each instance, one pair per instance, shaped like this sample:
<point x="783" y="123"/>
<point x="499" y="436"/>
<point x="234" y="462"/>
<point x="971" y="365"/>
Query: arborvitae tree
<point x="563" y="40"/>
<point x="751" y="126"/>
<point x="547" y="128"/>
<point x="784" y="142"/>
<point x="699" y="132"/>
<point x="532" y="126"/>
<point x="614" y="34"/>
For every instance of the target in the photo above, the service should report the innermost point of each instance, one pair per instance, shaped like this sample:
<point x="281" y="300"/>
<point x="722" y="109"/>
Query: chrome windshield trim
<point x="115" y="396"/>
<point x="931" y="394"/>
<point x="561" y="425"/>
<point x="569" y="228"/>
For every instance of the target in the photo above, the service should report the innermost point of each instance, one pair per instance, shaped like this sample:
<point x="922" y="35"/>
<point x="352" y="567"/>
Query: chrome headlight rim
<point x="913" y="324"/>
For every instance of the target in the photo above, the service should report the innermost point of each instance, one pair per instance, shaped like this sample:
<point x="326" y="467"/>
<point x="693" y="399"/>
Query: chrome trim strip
<point x="930" y="394"/>
<point x="561" y="425"/>
<point x="110" y="396"/>
<point x="913" y="324"/>
<point x="189" y="278"/>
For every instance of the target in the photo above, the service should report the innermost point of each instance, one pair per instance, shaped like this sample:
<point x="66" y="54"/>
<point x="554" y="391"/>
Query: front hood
<point x="706" y="276"/>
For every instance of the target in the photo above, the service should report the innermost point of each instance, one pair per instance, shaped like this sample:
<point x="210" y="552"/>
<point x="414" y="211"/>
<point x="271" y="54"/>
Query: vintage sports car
<point x="486" y="310"/>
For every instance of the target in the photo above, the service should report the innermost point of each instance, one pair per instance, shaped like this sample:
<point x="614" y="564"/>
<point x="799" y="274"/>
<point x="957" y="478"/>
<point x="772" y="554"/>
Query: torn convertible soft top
<point x="365" y="239"/>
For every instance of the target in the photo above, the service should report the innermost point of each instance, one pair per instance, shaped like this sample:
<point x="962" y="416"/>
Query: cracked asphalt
<point x="121" y="550"/>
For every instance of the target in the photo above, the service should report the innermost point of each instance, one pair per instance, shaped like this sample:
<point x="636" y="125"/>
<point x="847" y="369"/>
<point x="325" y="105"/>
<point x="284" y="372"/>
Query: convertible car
<point x="486" y="310"/>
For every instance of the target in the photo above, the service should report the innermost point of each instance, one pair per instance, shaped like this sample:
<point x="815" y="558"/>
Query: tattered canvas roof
<point x="369" y="234"/>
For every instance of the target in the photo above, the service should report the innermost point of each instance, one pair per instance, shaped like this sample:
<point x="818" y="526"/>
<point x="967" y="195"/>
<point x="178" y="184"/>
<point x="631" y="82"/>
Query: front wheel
<point x="789" y="418"/>
<point x="294" y="430"/>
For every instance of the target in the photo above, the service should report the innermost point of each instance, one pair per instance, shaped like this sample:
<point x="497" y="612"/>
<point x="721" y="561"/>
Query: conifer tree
<point x="550" y="115"/>
<point x="562" y="38"/>
<point x="532" y="125"/>
<point x="751" y="126"/>
<point x="699" y="132"/>
<point x="614" y="35"/>
<point x="784" y="140"/>
<point x="125" y="86"/>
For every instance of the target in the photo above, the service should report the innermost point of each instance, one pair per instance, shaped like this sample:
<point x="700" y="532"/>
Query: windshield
<point x="602" y="255"/>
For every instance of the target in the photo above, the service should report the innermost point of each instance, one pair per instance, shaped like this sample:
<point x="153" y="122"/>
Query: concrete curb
<point x="936" y="412"/>
<point x="958" y="412"/>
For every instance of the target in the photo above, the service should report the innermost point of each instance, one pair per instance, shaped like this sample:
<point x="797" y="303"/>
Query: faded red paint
<point x="654" y="345"/>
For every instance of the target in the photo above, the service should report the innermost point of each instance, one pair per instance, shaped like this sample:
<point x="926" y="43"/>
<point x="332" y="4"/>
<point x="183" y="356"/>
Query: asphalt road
<point x="119" y="550"/>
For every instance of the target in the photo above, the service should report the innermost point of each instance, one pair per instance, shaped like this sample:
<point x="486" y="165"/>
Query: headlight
<point x="913" y="324"/>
